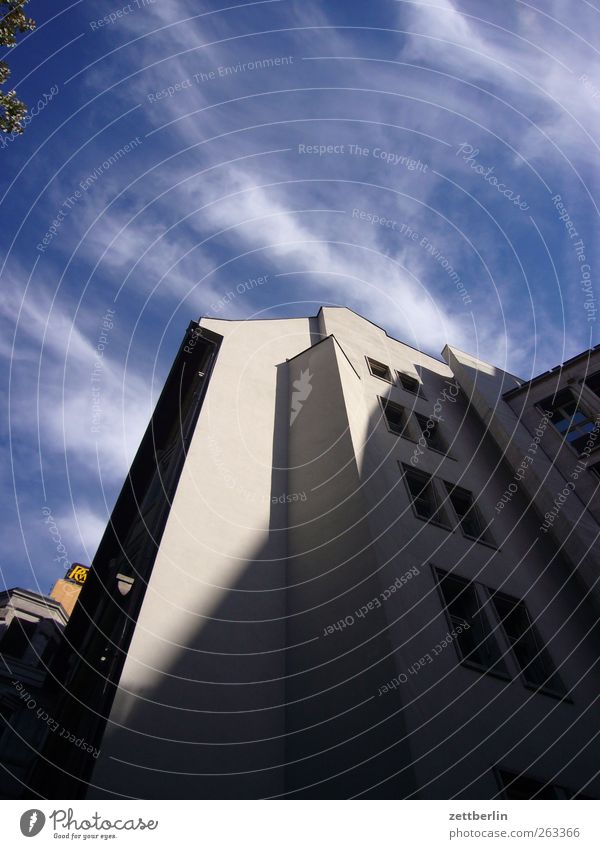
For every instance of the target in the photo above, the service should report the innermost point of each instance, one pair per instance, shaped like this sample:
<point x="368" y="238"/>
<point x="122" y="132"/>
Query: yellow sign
<point x="77" y="573"/>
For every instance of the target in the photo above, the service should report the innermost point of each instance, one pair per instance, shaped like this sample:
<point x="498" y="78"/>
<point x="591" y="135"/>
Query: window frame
<point x="441" y="511"/>
<point x="436" y="428"/>
<point x="493" y="633"/>
<point x="371" y="360"/>
<point x="485" y="537"/>
<point x="543" y="652"/>
<point x="406" y="432"/>
<point x="497" y="630"/>
<point x="549" y="404"/>
<point x="418" y="392"/>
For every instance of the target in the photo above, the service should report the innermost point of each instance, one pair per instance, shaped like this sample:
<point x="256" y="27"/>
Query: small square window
<point x="431" y="432"/>
<point x="424" y="497"/>
<point x="530" y="653"/>
<point x="395" y="417"/>
<point x="467" y="513"/>
<point x="410" y="383"/>
<point x="380" y="370"/>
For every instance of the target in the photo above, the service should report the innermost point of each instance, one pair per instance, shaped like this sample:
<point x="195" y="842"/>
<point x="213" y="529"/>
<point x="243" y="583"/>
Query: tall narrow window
<point x="569" y="418"/>
<point x="530" y="653"/>
<point x="431" y="432"/>
<point x="410" y="383"/>
<point x="475" y="641"/>
<point x="378" y="369"/>
<point x="395" y="417"/>
<point x="423" y="495"/>
<point x="467" y="512"/>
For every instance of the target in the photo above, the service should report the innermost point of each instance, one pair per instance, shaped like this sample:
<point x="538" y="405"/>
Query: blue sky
<point x="170" y="159"/>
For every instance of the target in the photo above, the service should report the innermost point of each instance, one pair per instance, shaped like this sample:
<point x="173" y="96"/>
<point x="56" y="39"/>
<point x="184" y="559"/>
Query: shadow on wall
<point x="260" y="703"/>
<point x="277" y="691"/>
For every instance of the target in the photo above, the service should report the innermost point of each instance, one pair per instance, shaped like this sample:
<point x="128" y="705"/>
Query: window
<point x="394" y="416"/>
<point x="523" y="786"/>
<point x="593" y="381"/>
<point x="379" y="370"/>
<point x="431" y="432"/>
<point x="467" y="512"/>
<point x="424" y="497"/>
<point x="485" y="620"/>
<point x="17" y="637"/>
<point x="532" y="657"/>
<point x="569" y="418"/>
<point x="475" y="643"/>
<point x="410" y="383"/>
<point x="595" y="468"/>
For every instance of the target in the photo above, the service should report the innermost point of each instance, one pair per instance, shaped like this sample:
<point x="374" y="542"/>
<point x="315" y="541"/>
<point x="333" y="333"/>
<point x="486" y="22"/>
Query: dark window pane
<point x="569" y="418"/>
<point x="379" y="369"/>
<point x="431" y="432"/>
<point x="579" y="438"/>
<point x="423" y="495"/>
<point x="410" y="383"/>
<point x="395" y="417"/>
<point x="467" y="512"/>
<point x="476" y="642"/>
<point x="528" y="649"/>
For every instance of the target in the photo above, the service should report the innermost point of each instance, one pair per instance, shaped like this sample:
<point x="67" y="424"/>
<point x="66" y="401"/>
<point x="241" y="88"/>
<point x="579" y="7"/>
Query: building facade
<point x="67" y="589"/>
<point x="340" y="568"/>
<point x="31" y="627"/>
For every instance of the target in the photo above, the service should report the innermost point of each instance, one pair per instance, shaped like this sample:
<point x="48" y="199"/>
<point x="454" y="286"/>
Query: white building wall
<point x="231" y="590"/>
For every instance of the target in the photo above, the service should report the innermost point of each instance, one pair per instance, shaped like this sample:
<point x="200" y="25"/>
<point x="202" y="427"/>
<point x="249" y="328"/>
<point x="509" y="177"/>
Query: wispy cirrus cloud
<point x="221" y="188"/>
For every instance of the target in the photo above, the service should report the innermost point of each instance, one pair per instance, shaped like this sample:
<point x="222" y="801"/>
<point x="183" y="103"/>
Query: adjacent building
<point x="342" y="568"/>
<point x="67" y="589"/>
<point x="31" y="627"/>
